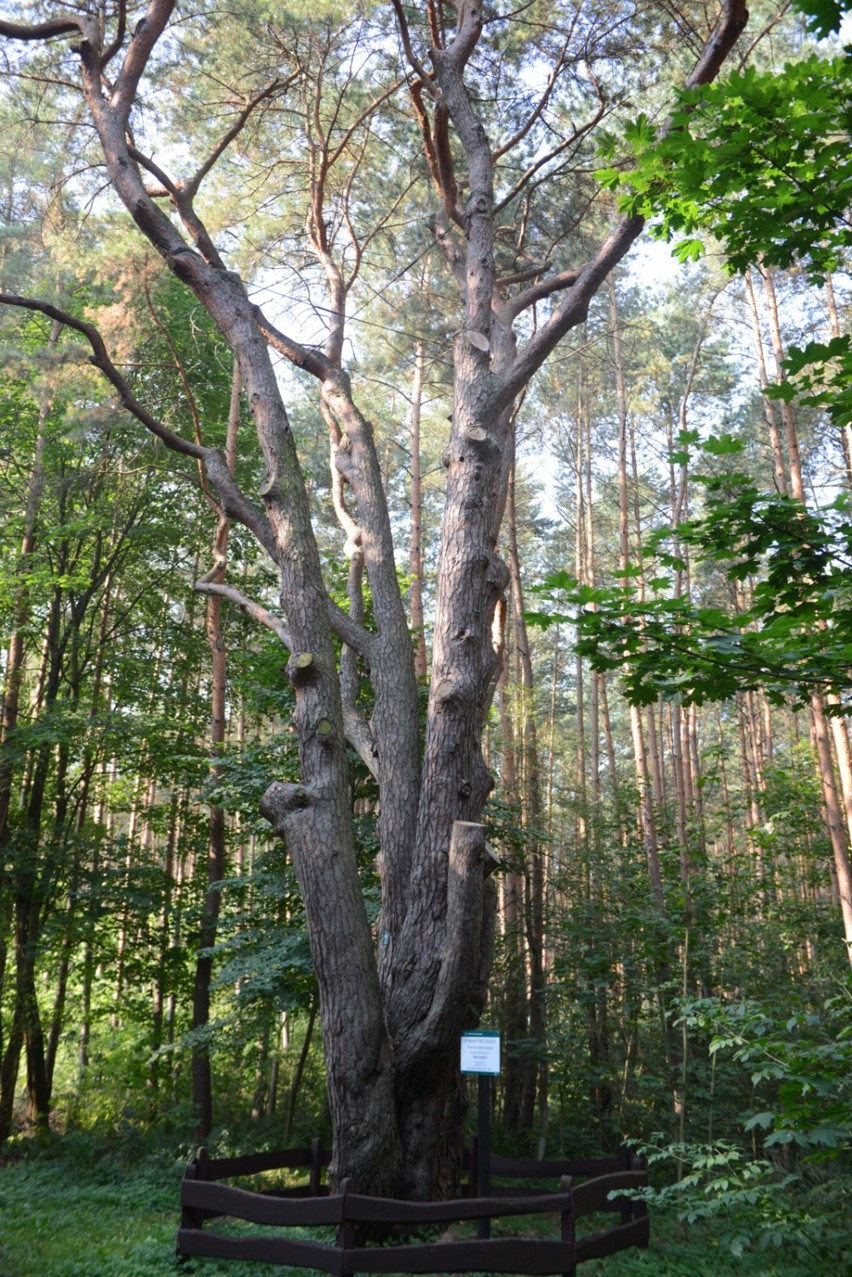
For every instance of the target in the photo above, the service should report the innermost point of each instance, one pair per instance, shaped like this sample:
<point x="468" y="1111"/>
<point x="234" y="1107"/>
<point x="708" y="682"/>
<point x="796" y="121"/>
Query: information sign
<point x="480" y="1052"/>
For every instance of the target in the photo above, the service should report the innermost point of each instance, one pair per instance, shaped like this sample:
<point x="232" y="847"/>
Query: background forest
<point x="668" y="733"/>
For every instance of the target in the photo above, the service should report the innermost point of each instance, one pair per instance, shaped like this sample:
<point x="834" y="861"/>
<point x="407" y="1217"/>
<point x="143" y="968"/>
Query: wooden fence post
<point x="568" y="1229"/>
<point x="316" y="1168"/>
<point x="625" y="1157"/>
<point x="190" y="1216"/>
<point x="472" y="1162"/>
<point x="639" y="1209"/>
<point x="346" y="1231"/>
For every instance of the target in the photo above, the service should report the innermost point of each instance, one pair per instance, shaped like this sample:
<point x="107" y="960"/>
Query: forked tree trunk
<point x="390" y="1026"/>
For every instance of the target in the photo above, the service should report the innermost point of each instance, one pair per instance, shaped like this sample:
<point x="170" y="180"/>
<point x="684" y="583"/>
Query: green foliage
<point x="761" y="161"/>
<point x="88" y="1208"/>
<point x="776" y="1197"/>
<point x="819" y="376"/>
<point x="823" y="16"/>
<point x="752" y="1204"/>
<point x="792" y="638"/>
<point x="801" y="1063"/>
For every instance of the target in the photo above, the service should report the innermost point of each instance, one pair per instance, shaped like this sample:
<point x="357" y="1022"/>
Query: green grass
<point x="78" y="1212"/>
<point x="61" y="1219"/>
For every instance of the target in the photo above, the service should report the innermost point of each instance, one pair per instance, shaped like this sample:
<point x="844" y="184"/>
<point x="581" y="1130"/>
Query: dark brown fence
<point x="204" y="1198"/>
<point x="551" y="1172"/>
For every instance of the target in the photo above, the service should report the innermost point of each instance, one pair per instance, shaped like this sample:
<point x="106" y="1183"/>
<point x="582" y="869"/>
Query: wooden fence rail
<point x="204" y="1198"/>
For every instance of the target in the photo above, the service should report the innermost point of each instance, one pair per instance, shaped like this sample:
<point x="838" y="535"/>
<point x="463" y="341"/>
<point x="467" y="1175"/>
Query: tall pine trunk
<point x="202" y="1083"/>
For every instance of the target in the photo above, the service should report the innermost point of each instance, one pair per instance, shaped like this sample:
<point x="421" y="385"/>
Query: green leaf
<point x="689" y="250"/>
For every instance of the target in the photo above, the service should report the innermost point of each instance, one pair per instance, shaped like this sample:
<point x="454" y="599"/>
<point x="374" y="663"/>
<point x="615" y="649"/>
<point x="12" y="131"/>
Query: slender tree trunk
<point x="28" y="888"/>
<point x="202" y="1083"/>
<point x="776" y="446"/>
<point x="91" y="879"/>
<point x="533" y="816"/>
<point x="298" y="1074"/>
<point x="514" y="1016"/>
<point x="416" y="537"/>
<point x="825" y="762"/>
<point x="13" y="1041"/>
<point x="640" y="758"/>
<point x="834" y="328"/>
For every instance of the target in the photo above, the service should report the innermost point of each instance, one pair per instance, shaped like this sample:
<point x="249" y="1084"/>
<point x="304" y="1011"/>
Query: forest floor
<point x="72" y="1212"/>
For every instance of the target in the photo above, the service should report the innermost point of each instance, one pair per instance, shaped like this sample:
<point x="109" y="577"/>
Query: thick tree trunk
<point x="430" y="1099"/>
<point x="390" y="1027"/>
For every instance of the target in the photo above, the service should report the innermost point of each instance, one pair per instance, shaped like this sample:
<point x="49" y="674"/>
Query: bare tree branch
<point x="101" y="360"/>
<point x="537" y="292"/>
<point x="354" y="635"/>
<point x="522" y="276"/>
<point x="574" y="308"/>
<point x="351" y="633"/>
<point x="439" y="168"/>
<point x="535" y="114"/>
<point x="113" y="48"/>
<point x="254" y="610"/>
<point x="547" y="157"/>
<point x="362" y="118"/>
<point x="43" y="30"/>
<point x="361" y="739"/>
<point x="468" y="31"/>
<point x="312" y="361"/>
<point x="169" y="187"/>
<point x="413" y="60"/>
<point x="773" y="22"/>
<point x="176" y="192"/>
<point x="189" y="187"/>
<point x="730" y="27"/>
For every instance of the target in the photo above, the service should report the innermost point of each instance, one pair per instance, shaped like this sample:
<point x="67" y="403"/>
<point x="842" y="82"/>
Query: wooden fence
<point x="204" y="1198"/>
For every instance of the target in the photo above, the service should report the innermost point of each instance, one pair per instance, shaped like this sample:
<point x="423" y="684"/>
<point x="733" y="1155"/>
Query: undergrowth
<point x="80" y="1207"/>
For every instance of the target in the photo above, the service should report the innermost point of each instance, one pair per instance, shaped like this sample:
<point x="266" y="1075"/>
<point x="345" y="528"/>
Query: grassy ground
<point x="82" y="1213"/>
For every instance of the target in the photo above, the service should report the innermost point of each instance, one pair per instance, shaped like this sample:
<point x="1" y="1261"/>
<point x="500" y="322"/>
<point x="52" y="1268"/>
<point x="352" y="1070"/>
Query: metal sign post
<point x="480" y="1054"/>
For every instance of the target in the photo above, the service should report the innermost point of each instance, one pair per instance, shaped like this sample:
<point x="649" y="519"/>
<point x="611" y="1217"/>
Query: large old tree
<point x="445" y="123"/>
